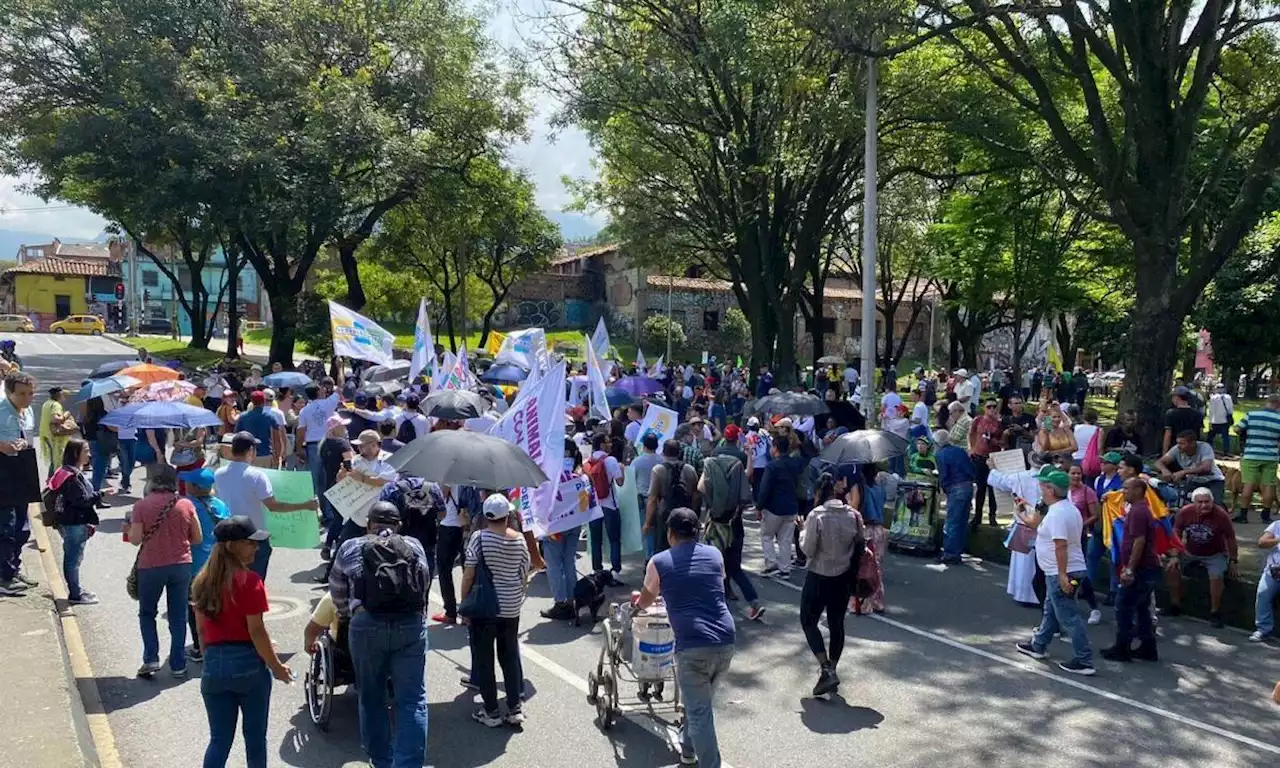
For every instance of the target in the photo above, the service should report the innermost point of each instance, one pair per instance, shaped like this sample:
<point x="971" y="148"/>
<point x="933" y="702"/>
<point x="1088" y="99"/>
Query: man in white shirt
<point x="606" y="478"/>
<point x="1059" y="555"/>
<point x="964" y="389"/>
<point x="850" y="380"/>
<point x="246" y="491"/>
<point x="919" y="411"/>
<point x="1221" y="414"/>
<point x="635" y="414"/>
<point x="311" y="431"/>
<point x="891" y="402"/>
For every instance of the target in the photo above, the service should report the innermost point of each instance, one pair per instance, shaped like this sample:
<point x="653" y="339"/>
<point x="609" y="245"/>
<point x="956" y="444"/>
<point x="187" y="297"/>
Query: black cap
<point x="239" y="528"/>
<point x="384" y="512"/>
<point x="683" y="522"/>
<point x="241" y="442"/>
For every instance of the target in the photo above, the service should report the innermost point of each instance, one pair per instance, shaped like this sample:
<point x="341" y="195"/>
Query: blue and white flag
<point x="358" y="337"/>
<point x="424" y="345"/>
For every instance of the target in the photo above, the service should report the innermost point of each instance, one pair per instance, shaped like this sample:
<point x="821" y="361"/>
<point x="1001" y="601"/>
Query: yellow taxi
<point x="90" y="324"/>
<point x="16" y="323"/>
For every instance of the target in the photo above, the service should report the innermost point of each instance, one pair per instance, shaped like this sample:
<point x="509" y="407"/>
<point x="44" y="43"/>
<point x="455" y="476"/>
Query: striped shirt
<point x="508" y="561"/>
<point x="1262" y="441"/>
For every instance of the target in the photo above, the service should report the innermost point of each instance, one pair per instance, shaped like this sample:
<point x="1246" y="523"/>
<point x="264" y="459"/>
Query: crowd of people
<point x="202" y="539"/>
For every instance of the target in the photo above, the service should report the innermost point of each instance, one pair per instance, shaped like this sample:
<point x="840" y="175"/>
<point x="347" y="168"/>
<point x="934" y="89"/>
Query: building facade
<point x="56" y="280"/>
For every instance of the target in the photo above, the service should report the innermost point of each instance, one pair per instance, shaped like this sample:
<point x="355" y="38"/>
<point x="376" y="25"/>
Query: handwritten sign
<point x="292" y="530"/>
<point x="1009" y="462"/>
<point x="352" y="499"/>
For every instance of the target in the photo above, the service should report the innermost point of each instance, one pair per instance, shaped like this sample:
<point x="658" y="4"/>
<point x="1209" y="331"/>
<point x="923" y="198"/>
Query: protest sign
<point x="595" y="386"/>
<point x="356" y="336"/>
<point x="352" y="499"/>
<point x="292" y="530"/>
<point x="535" y="422"/>
<point x="1009" y="462"/>
<point x="575" y="504"/>
<point x="658" y="421"/>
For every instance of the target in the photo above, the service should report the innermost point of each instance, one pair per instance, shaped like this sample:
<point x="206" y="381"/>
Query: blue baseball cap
<point x="200" y="478"/>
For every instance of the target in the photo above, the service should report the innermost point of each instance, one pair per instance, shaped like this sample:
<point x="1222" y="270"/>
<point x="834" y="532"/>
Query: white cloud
<point x="24" y="212"/>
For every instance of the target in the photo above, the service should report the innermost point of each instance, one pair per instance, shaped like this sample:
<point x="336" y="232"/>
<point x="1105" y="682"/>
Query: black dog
<point x="589" y="593"/>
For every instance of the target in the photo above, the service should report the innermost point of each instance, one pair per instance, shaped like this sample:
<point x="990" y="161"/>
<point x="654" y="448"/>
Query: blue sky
<point x="547" y="156"/>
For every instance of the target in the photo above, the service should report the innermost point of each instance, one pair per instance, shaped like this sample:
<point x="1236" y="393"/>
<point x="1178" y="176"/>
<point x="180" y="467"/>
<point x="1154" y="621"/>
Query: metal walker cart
<point x="614" y="668"/>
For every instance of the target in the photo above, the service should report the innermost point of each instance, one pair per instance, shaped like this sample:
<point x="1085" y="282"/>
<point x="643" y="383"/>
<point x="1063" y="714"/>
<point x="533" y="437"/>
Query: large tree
<point x="1170" y="111"/>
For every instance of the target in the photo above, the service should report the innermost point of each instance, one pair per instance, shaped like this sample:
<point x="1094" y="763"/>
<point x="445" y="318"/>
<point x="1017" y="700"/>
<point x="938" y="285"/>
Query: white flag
<point x="358" y="337"/>
<point x="535" y="422"/>
<point x="460" y="375"/>
<point x="527" y="349"/>
<point x="424" y="345"/>
<point x="441" y="371"/>
<point x="595" y="388"/>
<point x="639" y="361"/>
<point x="655" y="371"/>
<point x="600" y="341"/>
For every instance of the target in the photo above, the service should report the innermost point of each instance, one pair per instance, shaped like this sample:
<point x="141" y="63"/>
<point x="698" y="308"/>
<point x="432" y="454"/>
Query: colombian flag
<point x="1113" y="524"/>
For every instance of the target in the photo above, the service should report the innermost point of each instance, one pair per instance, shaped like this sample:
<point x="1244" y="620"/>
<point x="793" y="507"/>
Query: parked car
<point x="156" y="325"/>
<point x="86" y="324"/>
<point x="16" y="323"/>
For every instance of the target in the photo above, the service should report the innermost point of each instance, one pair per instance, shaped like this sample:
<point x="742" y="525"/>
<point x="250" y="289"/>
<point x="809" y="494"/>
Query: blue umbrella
<point x="618" y="398"/>
<point x="291" y="379"/>
<point x="506" y="373"/>
<point x="111" y="368"/>
<point x="639" y="385"/>
<point x="161" y="415"/>
<point x="99" y="387"/>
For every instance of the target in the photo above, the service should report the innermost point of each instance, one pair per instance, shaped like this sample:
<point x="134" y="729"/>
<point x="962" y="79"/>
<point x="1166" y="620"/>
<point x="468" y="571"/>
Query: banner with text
<point x="658" y="421"/>
<point x="535" y="422"/>
<point x="356" y="336"/>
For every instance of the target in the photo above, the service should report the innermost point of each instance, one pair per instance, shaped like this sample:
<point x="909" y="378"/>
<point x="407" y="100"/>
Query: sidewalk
<point x="48" y="727"/>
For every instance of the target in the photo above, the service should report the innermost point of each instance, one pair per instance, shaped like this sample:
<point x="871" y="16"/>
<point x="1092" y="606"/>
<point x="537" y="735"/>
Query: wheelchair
<point x="330" y="668"/>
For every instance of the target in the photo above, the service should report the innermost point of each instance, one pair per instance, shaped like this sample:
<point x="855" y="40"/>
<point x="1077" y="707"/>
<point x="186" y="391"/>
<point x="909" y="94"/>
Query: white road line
<point x="661" y="730"/>
<point x="1041" y="672"/>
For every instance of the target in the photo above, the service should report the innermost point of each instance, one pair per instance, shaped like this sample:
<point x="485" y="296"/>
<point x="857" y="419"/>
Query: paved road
<point x="936" y="682"/>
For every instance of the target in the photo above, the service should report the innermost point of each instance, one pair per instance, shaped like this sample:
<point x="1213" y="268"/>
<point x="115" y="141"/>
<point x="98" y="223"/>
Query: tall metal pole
<point x="670" y="282"/>
<point x="933" y="310"/>
<point x="869" y="210"/>
<point x="134" y="304"/>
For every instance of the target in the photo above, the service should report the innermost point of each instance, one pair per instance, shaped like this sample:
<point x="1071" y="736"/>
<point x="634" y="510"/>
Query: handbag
<point x="21" y="479"/>
<point x="131" y="581"/>
<point x="65" y="426"/>
<point x="482" y="601"/>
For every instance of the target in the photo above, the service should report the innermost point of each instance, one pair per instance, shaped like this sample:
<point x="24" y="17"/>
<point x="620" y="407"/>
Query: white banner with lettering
<point x="535" y="422"/>
<point x="356" y="336"/>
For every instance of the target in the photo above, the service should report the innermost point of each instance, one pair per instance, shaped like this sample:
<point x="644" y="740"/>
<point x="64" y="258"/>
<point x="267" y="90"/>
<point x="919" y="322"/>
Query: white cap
<point x="497" y="507"/>
<point x="961" y="372"/>
<point x="753" y="422"/>
<point x="269" y="393"/>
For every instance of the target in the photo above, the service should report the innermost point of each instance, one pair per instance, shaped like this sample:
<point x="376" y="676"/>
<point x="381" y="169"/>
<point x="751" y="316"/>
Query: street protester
<point x="230" y="601"/>
<point x="560" y="549"/>
<point x="77" y="517"/>
<point x="210" y="510"/>
<point x="1139" y="573"/>
<point x="832" y="533"/>
<point x="246" y="490"/>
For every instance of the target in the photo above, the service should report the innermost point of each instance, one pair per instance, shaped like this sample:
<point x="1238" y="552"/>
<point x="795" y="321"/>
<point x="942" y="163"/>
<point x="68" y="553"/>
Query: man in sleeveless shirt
<point x="689" y="576"/>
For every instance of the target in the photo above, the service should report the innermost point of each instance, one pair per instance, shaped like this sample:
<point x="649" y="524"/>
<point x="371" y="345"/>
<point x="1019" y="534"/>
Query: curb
<point x="100" y="744"/>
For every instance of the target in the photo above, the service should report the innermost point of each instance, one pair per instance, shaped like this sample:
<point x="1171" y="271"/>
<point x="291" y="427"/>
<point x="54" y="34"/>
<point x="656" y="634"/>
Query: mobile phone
<point x="346" y="464"/>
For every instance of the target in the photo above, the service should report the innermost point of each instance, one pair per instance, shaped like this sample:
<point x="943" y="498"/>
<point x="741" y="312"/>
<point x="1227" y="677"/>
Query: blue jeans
<point x="562" y="571"/>
<point x="1133" y="606"/>
<point x="175" y="582"/>
<point x="14" y="533"/>
<point x="101" y="461"/>
<point x="391" y="648"/>
<point x="611" y="522"/>
<point x="1220" y="429"/>
<point x="261" y="560"/>
<point x="1093" y="562"/>
<point x="1264" y="609"/>
<point x="316" y="468"/>
<point x="235" y="681"/>
<point x="1060" y="614"/>
<point x="697" y="672"/>
<point x="127" y="448"/>
<point x="73" y="541"/>
<point x="955" y="533"/>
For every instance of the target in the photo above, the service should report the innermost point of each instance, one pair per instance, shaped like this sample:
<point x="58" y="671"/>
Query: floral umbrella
<point x="163" y="392"/>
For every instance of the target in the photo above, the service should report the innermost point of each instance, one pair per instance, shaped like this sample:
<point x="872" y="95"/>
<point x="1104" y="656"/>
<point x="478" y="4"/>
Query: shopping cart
<point x="643" y="656"/>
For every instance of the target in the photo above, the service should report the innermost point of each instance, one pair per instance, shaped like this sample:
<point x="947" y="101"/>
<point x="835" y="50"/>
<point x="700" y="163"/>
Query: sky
<point x="547" y="156"/>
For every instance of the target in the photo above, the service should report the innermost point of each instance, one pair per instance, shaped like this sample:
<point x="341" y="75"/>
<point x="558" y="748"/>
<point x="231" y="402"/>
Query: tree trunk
<point x="784" y="370"/>
<point x="448" y="321"/>
<point x="284" y="317"/>
<point x="234" y="265"/>
<point x="200" y="327"/>
<point x="1152" y="355"/>
<point x="818" y="335"/>
<point x="350" y="270"/>
<point x="953" y="339"/>
<point x="887" y="358"/>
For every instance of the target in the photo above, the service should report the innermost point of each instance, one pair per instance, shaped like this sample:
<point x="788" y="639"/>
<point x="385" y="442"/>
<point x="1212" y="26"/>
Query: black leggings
<point x="500" y="638"/>
<point x="829" y="594"/>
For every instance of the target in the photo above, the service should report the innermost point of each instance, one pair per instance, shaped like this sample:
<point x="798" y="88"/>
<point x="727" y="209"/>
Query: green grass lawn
<point x="168" y="349"/>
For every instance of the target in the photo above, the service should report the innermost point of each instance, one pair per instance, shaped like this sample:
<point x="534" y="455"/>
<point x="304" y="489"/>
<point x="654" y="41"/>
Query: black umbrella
<point x="382" y="388"/>
<point x="798" y="403"/>
<point x="462" y="457"/>
<point x="396" y="369"/>
<point x="454" y="404"/>
<point x="864" y="446"/>
<point x="111" y="369"/>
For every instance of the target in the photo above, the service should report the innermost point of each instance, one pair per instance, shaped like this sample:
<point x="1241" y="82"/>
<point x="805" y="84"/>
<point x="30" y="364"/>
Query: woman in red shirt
<point x="239" y="660"/>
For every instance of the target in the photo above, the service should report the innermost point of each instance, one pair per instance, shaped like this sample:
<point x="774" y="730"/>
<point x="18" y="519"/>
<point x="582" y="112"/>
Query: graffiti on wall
<point x="577" y="313"/>
<point x="542" y="313"/>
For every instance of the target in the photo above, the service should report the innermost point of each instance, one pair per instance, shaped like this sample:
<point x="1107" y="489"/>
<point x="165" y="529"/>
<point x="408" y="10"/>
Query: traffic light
<point x="119" y="291"/>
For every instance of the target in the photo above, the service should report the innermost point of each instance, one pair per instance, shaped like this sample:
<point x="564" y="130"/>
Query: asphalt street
<point x="935" y="682"/>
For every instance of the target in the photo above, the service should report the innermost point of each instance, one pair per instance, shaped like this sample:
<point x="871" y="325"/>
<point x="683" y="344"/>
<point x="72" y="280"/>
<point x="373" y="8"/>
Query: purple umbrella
<point x="639" y="386"/>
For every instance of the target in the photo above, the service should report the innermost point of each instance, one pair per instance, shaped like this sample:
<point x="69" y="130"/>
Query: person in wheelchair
<point x="379" y="581"/>
<point x="1210" y="538"/>
<point x="1190" y="464"/>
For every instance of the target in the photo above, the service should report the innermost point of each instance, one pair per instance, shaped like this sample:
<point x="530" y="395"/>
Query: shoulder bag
<point x="131" y="581"/>
<point x="482" y="601"/>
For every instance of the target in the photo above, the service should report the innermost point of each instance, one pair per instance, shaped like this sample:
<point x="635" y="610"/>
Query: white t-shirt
<point x="1273" y="554"/>
<point x="377" y="467"/>
<point x="1083" y="433"/>
<point x="632" y="431"/>
<point x="890" y="402"/>
<point x="313" y="416"/>
<point x="1220" y="407"/>
<point x="920" y="413"/>
<point x="243" y="488"/>
<point x="450" y="519"/>
<point x="851" y="376"/>
<point x="1062" y="521"/>
<point x="276" y="415"/>
<point x="975" y="381"/>
<point x="613" y="470"/>
<point x="964" y="389"/>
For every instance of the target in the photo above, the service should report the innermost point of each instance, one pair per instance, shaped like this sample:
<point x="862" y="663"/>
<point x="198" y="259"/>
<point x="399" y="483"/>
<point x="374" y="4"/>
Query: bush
<point x="653" y="333"/>
<point x="735" y="333"/>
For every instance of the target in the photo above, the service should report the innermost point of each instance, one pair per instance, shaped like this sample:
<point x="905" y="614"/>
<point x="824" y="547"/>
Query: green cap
<point x="1055" y="477"/>
<point x="1111" y="457"/>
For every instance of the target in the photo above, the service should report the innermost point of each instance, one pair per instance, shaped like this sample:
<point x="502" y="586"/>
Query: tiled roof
<point x="705" y="284"/>
<point x="66" y="267"/>
<point x="567" y="256"/>
<point x="91" y="250"/>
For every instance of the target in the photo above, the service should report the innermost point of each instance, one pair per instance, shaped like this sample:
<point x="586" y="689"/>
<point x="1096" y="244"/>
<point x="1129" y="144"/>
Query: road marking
<point x="669" y="733"/>
<point x="104" y="741"/>
<point x="1046" y="674"/>
<point x="54" y="344"/>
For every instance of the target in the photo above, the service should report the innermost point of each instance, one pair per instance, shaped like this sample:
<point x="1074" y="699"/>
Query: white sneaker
<point x="1257" y="637"/>
<point x="1095" y="617"/>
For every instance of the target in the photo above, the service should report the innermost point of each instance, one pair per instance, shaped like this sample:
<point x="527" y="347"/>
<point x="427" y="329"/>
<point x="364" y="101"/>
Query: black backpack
<point x="393" y="580"/>
<point x="51" y="506"/>
<point x="677" y="494"/>
<point x="407" y="432"/>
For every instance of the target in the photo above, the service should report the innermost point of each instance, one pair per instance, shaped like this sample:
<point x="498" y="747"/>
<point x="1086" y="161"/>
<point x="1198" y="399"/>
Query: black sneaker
<point x="1215" y="621"/>
<point x="1027" y="649"/>
<point x="1076" y="668"/>
<point x="827" y="682"/>
<point x="1243" y="517"/>
<point x="1116" y="653"/>
<point x="1173" y="610"/>
<point x="1146" y="652"/>
<point x="769" y="570"/>
<point x="469" y="684"/>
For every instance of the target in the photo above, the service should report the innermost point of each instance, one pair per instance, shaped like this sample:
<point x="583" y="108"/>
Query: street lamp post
<point x="869" y="212"/>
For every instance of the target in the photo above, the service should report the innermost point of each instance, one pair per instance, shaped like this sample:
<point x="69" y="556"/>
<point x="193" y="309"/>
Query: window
<point x="710" y="320"/>
<point x="828" y="325"/>
<point x="855" y="328"/>
<point x="151" y="279"/>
